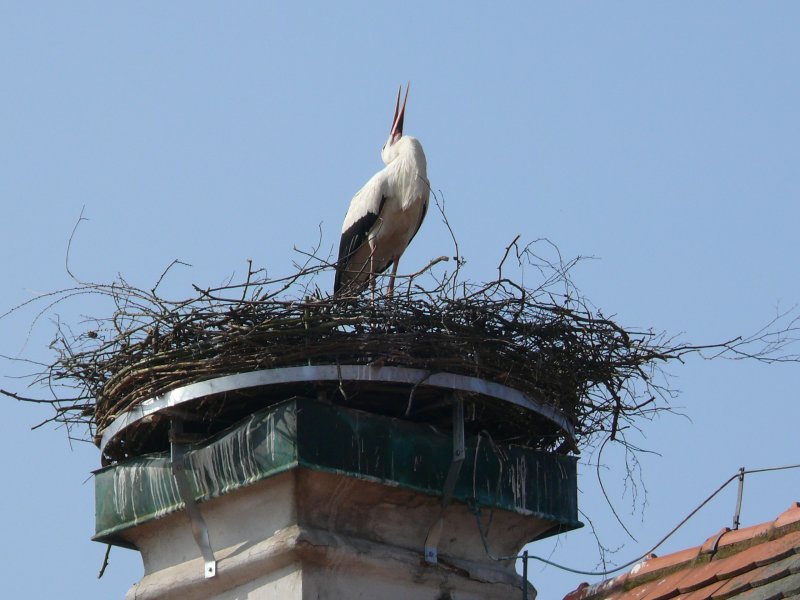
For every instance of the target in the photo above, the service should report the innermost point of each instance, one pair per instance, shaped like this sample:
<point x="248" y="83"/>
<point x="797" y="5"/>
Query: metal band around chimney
<point x="173" y="399"/>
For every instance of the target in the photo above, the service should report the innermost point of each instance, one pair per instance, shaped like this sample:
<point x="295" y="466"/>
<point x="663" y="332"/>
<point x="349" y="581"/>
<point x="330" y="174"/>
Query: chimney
<point x="331" y="482"/>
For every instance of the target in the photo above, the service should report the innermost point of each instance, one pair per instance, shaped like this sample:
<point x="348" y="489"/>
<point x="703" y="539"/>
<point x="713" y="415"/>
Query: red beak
<point x="399" y="113"/>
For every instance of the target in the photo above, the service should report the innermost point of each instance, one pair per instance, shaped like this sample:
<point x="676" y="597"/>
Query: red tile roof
<point x="761" y="562"/>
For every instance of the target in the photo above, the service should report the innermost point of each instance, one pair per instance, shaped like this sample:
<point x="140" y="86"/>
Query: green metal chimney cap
<point x="307" y="433"/>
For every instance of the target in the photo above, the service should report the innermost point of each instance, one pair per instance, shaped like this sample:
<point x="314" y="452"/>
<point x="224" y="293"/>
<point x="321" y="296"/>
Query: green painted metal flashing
<point x="307" y="433"/>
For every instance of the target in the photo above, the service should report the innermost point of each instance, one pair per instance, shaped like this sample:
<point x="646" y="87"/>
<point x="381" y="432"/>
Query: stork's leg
<point x="371" y="273"/>
<point x="395" y="262"/>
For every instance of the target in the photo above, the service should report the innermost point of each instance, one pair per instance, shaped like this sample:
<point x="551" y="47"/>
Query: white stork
<point x="386" y="213"/>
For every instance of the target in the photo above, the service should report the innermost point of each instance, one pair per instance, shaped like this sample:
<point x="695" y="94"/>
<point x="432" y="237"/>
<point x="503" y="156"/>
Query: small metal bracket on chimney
<point x="177" y="441"/>
<point x="435" y="532"/>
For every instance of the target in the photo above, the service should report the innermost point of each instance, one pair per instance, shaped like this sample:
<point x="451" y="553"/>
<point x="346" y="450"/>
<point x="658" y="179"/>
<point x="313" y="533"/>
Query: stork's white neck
<point x="407" y="169"/>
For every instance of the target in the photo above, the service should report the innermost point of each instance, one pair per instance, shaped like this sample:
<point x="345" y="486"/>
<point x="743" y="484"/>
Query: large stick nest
<point x="545" y="341"/>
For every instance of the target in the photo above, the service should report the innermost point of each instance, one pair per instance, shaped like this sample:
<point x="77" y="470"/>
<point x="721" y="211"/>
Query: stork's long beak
<point x="399" y="113"/>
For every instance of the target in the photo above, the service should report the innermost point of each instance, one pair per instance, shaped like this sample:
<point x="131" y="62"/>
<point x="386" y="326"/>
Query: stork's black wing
<point x="359" y="221"/>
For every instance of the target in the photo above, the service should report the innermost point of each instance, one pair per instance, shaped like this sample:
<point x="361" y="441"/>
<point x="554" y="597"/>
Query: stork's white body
<point x="384" y="216"/>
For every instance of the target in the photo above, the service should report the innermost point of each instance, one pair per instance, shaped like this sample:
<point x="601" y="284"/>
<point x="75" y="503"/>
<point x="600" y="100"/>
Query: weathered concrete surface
<point x="311" y="534"/>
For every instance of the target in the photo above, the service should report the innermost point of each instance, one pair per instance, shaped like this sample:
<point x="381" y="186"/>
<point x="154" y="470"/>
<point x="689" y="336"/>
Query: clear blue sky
<point x="660" y="138"/>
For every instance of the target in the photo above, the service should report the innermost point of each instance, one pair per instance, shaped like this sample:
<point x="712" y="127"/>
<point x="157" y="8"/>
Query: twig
<point x="105" y="561"/>
<point x="69" y="246"/>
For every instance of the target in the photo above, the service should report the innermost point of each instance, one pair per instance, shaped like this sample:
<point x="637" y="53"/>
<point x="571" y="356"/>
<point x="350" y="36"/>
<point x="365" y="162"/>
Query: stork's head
<point x="389" y="150"/>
